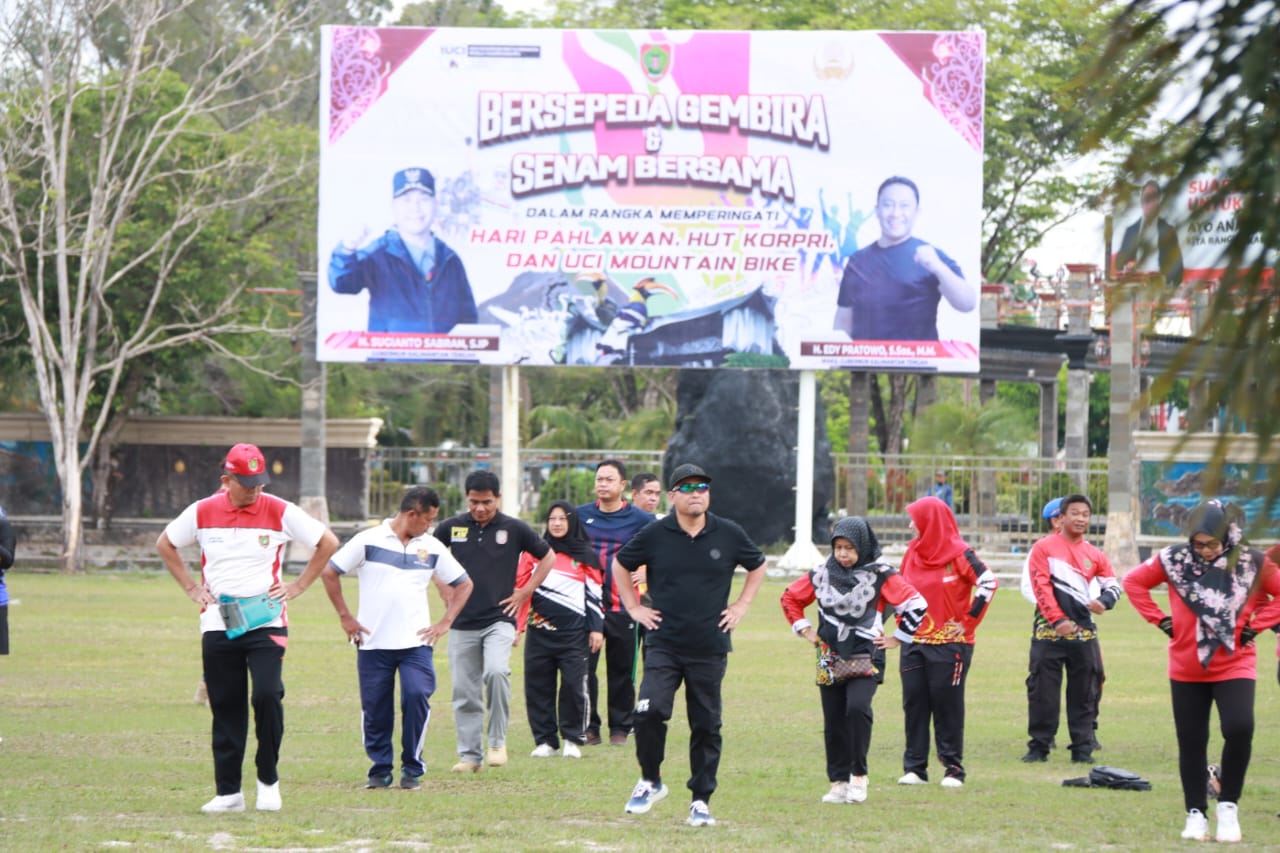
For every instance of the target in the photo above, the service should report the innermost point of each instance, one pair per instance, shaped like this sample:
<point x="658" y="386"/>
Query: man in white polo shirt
<point x="242" y="535"/>
<point x="394" y="562"/>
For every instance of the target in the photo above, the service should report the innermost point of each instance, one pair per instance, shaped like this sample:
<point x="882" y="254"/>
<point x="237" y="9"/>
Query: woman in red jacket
<point x="1221" y="594"/>
<point x="959" y="587"/>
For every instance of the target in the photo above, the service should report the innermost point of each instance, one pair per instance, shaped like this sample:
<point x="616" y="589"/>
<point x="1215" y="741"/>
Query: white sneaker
<point x="571" y="750"/>
<point x="912" y="779"/>
<point x="952" y="782"/>
<point x="543" y="750"/>
<point x="857" y="789"/>
<point x="224" y="803"/>
<point x="700" y="814"/>
<point x="268" y="797"/>
<point x="1197" y="828"/>
<point x="839" y="793"/>
<point x="1228" y="822"/>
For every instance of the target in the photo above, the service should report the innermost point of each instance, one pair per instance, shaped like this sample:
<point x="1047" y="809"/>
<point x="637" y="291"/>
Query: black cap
<point x="684" y="472"/>
<point x="413" y="179"/>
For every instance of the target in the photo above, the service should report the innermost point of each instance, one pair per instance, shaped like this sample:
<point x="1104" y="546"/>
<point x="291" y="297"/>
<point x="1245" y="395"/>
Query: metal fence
<point x="997" y="500"/>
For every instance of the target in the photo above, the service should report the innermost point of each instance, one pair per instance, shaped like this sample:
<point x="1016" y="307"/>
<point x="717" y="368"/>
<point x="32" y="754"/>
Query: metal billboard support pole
<point x="802" y="554"/>
<point x="512" y="484"/>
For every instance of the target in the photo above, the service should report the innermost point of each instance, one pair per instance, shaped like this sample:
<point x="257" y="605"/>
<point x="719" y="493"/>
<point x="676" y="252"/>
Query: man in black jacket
<point x="1150" y="243"/>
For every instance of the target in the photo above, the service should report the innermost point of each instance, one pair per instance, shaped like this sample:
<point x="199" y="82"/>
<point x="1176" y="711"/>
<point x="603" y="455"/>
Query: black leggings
<point x="1192" y="701"/>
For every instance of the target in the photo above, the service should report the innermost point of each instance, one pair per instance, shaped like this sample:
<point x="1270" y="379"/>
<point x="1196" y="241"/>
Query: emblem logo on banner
<point x="655" y="59"/>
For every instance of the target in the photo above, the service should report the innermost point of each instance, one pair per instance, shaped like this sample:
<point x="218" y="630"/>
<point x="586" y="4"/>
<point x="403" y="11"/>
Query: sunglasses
<point x="690" y="488"/>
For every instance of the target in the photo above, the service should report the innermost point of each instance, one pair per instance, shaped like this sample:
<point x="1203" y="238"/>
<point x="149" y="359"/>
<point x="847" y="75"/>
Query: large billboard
<point x="809" y="200"/>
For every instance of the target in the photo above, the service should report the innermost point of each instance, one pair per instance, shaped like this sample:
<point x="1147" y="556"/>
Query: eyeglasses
<point x="1206" y="544"/>
<point x="690" y="488"/>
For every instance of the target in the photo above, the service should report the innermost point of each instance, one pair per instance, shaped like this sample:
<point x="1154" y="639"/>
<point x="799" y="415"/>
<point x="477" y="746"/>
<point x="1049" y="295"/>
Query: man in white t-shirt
<point x="393" y="563"/>
<point x="242" y="535"/>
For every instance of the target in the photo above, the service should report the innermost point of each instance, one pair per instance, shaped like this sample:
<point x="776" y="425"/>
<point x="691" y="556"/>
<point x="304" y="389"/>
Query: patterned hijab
<point x="939" y="541"/>
<point x="848" y="592"/>
<point x="1214" y="590"/>
<point x="574" y="543"/>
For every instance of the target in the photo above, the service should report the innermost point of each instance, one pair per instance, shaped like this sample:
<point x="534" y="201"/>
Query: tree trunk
<point x="72" y="507"/>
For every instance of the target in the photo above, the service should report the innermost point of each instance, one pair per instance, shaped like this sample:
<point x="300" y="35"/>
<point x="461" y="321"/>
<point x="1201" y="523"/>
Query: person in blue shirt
<point x="942" y="490"/>
<point x="8" y="544"/>
<point x="891" y="289"/>
<point x="416" y="283"/>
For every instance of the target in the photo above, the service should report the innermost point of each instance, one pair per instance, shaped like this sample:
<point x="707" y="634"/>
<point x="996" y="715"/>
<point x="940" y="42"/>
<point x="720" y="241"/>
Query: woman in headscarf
<point x="851" y="589"/>
<point x="959" y="588"/>
<point x="1221" y="594"/>
<point x="564" y="625"/>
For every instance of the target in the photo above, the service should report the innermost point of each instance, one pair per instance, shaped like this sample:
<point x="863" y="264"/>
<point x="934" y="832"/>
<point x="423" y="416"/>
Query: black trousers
<point x="548" y="654"/>
<point x="1081" y="662"/>
<point x="933" y="678"/>
<point x="620" y="670"/>
<point x="702" y="675"/>
<point x="228" y="667"/>
<point x="1192" y="701"/>
<point x="846" y="726"/>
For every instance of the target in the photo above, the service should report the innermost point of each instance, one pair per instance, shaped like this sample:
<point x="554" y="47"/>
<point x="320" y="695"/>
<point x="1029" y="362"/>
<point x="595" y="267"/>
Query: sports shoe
<point x="1197" y="828"/>
<point x="409" y="783"/>
<point x="913" y="779"/>
<point x="857" y="789"/>
<point x="1228" y="822"/>
<point x="496" y="757"/>
<point x="839" y="793"/>
<point x="1034" y="755"/>
<point x="268" y="797"/>
<point x="952" y="782"/>
<point x="644" y="795"/>
<point x="700" y="814"/>
<point x="543" y="750"/>
<point x="202" y="693"/>
<point x="224" y="803"/>
<point x="379" y="782"/>
<point x="1213" y="786"/>
<point x="1081" y="758"/>
<point x="465" y="766"/>
<point x="571" y="750"/>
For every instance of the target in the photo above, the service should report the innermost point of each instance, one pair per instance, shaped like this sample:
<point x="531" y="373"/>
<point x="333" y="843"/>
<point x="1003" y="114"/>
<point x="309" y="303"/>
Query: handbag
<point x="242" y="615"/>
<point x="836" y="669"/>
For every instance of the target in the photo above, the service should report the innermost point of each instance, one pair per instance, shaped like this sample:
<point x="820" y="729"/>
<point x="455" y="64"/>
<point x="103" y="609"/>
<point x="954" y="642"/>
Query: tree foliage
<point x="1223" y="55"/>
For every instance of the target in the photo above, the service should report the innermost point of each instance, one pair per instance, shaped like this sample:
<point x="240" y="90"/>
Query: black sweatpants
<point x="846" y="726"/>
<point x="548" y="655"/>
<point x="933" y="678"/>
<point x="1191" y="704"/>
<point x="228" y="666"/>
<point x="702" y="675"/>
<point x="620" y="641"/>
<point x="1080" y="660"/>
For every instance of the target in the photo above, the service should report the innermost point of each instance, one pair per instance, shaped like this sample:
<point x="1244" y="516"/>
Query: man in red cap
<point x="242" y="535"/>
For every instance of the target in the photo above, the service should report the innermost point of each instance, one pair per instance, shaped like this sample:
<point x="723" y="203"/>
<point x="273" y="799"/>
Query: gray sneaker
<point x="644" y="795"/>
<point x="700" y="814"/>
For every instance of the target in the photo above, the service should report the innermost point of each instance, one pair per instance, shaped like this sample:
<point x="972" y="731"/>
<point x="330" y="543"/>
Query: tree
<point x="118" y="181"/>
<point x="1223" y="57"/>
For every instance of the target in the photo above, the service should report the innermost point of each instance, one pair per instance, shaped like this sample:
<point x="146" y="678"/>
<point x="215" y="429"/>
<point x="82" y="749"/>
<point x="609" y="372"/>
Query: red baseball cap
<point x="246" y="463"/>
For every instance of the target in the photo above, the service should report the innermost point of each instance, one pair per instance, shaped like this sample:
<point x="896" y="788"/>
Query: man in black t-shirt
<point x="691" y="556"/>
<point x="488" y="544"/>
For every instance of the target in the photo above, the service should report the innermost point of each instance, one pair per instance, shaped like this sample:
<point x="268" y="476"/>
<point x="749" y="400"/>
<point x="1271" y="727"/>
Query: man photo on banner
<point x="1150" y="243"/>
<point x="891" y="289"/>
<point x="416" y="283"/>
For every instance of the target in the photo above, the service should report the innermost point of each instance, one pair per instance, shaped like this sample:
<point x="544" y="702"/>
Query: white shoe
<point x="224" y="803"/>
<point x="912" y="779"/>
<point x="543" y="750"/>
<point x="1197" y="828"/>
<point x="1228" y="822"/>
<point x="952" y="782"/>
<point x="857" y="789"/>
<point x="268" y="797"/>
<point x="571" y="750"/>
<point x="839" y="793"/>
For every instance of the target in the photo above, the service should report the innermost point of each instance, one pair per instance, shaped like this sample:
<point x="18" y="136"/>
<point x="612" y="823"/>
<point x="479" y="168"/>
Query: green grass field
<point x="104" y="748"/>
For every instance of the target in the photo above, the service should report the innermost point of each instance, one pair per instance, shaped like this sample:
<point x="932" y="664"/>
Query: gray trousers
<point x="480" y="667"/>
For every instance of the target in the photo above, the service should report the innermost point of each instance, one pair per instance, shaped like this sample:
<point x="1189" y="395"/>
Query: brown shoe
<point x="619" y="739"/>
<point x="465" y="767"/>
<point x="497" y="756"/>
<point x="591" y="739"/>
